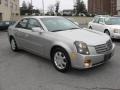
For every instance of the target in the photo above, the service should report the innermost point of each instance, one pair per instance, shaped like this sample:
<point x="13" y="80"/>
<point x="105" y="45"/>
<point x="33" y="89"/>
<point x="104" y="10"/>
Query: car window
<point x="101" y="20"/>
<point x="33" y="23"/>
<point x="96" y="20"/>
<point x="58" y="24"/>
<point x="22" y="23"/>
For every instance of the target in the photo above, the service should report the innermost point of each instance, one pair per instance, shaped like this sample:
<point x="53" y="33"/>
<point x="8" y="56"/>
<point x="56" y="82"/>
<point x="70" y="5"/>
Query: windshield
<point x="58" y="24"/>
<point x="112" y="21"/>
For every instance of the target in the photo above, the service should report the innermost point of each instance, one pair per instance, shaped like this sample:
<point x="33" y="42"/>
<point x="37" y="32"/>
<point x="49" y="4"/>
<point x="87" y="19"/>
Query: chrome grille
<point x="101" y="49"/>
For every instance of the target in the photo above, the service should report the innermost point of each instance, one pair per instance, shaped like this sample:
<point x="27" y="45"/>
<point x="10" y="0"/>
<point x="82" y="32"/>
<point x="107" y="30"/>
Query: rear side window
<point x="96" y="20"/>
<point x="101" y="20"/>
<point x="22" y="23"/>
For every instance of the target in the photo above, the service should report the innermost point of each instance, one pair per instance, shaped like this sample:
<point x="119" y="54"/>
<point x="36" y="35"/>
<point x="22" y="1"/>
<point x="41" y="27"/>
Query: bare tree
<point x="57" y="6"/>
<point x="51" y="9"/>
<point x="80" y="7"/>
<point x="24" y="5"/>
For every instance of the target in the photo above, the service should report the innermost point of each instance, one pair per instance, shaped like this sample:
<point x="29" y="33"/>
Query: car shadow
<point x="79" y="72"/>
<point x="91" y="71"/>
<point x="38" y="58"/>
<point x="116" y="40"/>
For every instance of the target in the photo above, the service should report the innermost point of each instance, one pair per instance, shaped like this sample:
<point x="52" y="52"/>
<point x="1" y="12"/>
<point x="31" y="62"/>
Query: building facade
<point x="118" y="6"/>
<point x="9" y="9"/>
<point x="102" y="7"/>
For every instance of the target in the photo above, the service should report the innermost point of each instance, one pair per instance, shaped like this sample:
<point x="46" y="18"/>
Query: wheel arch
<point x="57" y="46"/>
<point x="106" y="30"/>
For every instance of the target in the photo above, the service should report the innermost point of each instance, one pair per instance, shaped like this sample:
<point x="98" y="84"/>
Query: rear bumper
<point x="94" y="60"/>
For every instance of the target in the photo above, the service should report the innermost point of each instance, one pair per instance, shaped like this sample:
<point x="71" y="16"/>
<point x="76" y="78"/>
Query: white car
<point x="106" y="24"/>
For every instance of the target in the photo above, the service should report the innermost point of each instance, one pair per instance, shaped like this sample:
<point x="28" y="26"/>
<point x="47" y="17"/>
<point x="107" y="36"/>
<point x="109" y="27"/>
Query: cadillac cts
<point x="61" y="41"/>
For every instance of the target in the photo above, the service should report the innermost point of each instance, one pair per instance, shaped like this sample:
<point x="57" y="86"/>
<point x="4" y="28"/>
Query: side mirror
<point x="37" y="29"/>
<point x="76" y="23"/>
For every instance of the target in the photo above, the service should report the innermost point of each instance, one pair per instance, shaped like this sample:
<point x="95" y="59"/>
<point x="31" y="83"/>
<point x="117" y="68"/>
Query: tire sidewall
<point x="90" y="27"/>
<point x="15" y="45"/>
<point x="107" y="32"/>
<point x="68" y="65"/>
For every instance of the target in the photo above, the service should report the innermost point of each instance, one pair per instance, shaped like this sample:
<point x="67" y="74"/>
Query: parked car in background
<point x="61" y="41"/>
<point x="5" y="24"/>
<point x="68" y="12"/>
<point x="82" y="14"/>
<point x="106" y="24"/>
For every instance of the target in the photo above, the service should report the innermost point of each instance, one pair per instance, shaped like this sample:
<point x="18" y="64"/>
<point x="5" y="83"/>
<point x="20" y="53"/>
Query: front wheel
<point x="61" y="60"/>
<point x="13" y="45"/>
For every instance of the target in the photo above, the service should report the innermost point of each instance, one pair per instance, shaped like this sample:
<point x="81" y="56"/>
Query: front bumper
<point x="79" y="60"/>
<point x="116" y="35"/>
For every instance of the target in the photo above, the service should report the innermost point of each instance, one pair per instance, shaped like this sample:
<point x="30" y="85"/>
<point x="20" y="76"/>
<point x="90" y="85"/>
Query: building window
<point x="15" y="7"/>
<point x="6" y="2"/>
<point x="0" y="1"/>
<point x="11" y="5"/>
<point x="0" y="16"/>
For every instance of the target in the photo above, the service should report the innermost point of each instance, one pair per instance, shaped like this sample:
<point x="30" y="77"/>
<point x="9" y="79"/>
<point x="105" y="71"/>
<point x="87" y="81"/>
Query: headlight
<point x="82" y="47"/>
<point x="116" y="31"/>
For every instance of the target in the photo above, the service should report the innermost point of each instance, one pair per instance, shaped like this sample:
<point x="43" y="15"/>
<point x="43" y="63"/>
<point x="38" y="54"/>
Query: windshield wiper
<point x="64" y="29"/>
<point x="57" y="30"/>
<point x="74" y="28"/>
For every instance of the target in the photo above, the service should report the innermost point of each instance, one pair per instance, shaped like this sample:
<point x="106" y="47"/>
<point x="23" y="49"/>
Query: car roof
<point x="102" y="16"/>
<point x="38" y="17"/>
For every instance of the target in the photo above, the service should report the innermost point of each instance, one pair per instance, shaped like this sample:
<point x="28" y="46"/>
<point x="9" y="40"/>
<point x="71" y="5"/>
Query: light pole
<point x="31" y="6"/>
<point x="43" y="7"/>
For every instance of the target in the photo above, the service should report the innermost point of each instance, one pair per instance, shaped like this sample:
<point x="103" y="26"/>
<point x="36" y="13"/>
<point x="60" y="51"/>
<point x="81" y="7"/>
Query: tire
<point x="13" y="45"/>
<point x="107" y="32"/>
<point x="90" y="27"/>
<point x="61" y="60"/>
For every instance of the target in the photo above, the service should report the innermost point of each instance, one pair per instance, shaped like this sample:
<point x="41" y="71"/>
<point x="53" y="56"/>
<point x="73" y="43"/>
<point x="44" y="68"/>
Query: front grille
<point x="101" y="49"/>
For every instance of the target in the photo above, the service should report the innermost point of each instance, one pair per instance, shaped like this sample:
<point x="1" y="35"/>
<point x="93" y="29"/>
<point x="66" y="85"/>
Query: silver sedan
<point x="61" y="41"/>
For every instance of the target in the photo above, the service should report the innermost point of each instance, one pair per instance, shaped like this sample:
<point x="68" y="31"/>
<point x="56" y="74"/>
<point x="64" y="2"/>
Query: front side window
<point x="96" y="20"/>
<point x="33" y="23"/>
<point x="22" y="23"/>
<point x="58" y="24"/>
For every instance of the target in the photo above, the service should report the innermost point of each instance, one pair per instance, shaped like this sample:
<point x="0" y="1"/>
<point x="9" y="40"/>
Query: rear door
<point x="95" y="23"/>
<point x="20" y="32"/>
<point x="101" y="25"/>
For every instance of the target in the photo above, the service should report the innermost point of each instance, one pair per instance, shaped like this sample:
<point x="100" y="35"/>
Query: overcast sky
<point x="64" y="4"/>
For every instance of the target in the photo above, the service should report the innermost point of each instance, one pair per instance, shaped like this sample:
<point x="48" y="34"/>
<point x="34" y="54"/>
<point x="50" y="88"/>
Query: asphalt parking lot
<point x="25" y="71"/>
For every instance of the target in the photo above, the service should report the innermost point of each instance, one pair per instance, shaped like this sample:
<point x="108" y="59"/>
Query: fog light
<point x="88" y="63"/>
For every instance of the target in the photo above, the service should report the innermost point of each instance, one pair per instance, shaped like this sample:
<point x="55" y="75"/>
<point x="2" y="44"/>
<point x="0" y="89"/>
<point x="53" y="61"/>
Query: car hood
<point x="90" y="37"/>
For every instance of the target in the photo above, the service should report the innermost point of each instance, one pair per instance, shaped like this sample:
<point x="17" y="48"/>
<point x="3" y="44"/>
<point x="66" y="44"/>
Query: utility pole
<point x="31" y="6"/>
<point x="43" y="7"/>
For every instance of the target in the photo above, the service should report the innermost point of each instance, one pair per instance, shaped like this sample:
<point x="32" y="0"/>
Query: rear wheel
<point x="13" y="45"/>
<point x="90" y="27"/>
<point x="61" y="60"/>
<point x="107" y="32"/>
